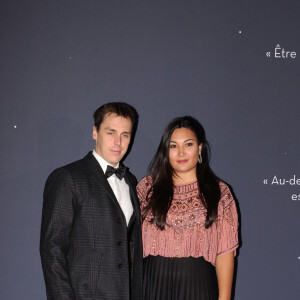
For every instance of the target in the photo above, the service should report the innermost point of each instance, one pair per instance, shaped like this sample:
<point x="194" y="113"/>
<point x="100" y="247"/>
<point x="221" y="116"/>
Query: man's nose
<point x="118" y="140"/>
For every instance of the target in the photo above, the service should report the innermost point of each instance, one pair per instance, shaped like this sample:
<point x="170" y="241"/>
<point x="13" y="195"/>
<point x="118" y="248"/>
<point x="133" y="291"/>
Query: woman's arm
<point x="224" y="269"/>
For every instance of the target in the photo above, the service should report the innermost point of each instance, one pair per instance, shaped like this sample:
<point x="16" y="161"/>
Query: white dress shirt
<point x="119" y="187"/>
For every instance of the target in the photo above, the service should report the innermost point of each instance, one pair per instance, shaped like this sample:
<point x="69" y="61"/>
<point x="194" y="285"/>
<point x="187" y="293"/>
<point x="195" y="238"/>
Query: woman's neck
<point x="184" y="178"/>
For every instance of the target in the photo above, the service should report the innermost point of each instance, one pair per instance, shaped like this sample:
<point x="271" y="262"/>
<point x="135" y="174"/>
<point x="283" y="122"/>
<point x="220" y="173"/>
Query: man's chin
<point x="115" y="160"/>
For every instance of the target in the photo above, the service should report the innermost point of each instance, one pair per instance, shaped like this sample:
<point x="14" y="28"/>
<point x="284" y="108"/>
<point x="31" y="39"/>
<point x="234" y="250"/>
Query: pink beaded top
<point x="185" y="234"/>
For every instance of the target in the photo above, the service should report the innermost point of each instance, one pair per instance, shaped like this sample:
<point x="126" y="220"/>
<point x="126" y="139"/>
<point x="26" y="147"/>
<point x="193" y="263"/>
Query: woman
<point x="190" y="224"/>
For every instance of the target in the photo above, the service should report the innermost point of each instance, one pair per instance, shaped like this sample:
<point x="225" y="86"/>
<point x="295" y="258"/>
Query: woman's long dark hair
<point x="162" y="175"/>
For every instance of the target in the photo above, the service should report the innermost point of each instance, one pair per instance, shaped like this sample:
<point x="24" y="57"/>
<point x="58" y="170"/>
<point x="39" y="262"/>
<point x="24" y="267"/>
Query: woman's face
<point x="184" y="152"/>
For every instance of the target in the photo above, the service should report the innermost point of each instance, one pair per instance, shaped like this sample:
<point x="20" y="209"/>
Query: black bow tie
<point x="119" y="172"/>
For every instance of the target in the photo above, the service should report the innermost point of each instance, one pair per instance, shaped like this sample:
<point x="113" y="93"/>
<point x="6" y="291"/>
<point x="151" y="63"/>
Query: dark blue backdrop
<point x="221" y="61"/>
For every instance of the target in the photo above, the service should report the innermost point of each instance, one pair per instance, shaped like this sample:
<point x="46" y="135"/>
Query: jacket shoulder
<point x="73" y="169"/>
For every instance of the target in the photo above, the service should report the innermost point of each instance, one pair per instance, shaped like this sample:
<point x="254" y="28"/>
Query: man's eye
<point x="126" y="135"/>
<point x="110" y="133"/>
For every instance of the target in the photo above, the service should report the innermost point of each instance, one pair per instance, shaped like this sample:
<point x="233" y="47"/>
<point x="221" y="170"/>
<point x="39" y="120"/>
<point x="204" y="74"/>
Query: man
<point x="90" y="244"/>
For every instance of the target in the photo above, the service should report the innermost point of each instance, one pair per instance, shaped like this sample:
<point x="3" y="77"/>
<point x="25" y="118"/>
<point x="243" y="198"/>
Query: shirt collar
<point x="102" y="162"/>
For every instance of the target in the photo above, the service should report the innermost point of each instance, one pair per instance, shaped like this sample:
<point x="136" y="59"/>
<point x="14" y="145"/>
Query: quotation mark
<point x="265" y="181"/>
<point x="268" y="54"/>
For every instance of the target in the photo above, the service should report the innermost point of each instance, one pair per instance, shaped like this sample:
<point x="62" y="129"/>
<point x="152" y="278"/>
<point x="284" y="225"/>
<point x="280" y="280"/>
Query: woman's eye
<point x="189" y="144"/>
<point x="172" y="146"/>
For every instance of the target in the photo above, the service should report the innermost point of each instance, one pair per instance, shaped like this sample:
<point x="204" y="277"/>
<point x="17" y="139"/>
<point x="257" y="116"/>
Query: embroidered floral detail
<point x="185" y="234"/>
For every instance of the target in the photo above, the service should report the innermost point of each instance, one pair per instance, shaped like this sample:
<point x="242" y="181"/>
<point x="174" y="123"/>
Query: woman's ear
<point x="200" y="148"/>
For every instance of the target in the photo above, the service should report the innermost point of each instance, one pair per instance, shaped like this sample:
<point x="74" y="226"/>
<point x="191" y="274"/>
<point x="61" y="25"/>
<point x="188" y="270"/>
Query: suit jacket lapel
<point x="100" y="179"/>
<point x="132" y="191"/>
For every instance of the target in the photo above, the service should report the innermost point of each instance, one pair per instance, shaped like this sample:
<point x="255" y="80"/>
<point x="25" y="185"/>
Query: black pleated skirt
<point x="186" y="278"/>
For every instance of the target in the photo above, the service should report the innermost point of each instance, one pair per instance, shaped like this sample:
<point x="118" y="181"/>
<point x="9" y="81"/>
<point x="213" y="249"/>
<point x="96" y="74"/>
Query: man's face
<point x="113" y="138"/>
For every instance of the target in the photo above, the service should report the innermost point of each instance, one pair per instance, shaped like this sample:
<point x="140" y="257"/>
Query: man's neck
<point x="103" y="163"/>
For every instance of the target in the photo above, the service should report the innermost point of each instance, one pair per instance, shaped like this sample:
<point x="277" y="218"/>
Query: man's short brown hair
<point x="121" y="109"/>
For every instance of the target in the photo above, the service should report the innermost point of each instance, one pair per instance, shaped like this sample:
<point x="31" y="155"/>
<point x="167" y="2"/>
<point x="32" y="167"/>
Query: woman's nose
<point x="181" y="151"/>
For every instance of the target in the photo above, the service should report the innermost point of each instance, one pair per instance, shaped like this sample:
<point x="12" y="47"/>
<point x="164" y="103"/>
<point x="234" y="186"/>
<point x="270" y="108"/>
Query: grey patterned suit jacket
<point x="87" y="250"/>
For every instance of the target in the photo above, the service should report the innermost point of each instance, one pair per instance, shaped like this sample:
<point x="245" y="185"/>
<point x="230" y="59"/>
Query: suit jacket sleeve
<point x="57" y="220"/>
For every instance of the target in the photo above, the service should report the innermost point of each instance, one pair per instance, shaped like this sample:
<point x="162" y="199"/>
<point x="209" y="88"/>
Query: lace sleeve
<point x="142" y="190"/>
<point x="227" y="222"/>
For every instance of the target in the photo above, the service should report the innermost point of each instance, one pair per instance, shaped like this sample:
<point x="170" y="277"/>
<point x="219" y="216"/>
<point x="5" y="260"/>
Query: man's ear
<point x="95" y="133"/>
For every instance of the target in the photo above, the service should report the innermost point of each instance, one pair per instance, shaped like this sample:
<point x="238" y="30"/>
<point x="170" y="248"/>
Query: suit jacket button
<point x="120" y="266"/>
<point x="119" y="243"/>
<point x="119" y="220"/>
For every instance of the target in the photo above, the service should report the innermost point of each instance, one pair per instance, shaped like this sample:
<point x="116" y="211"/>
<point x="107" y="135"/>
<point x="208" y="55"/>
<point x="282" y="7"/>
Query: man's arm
<point x="57" y="220"/>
